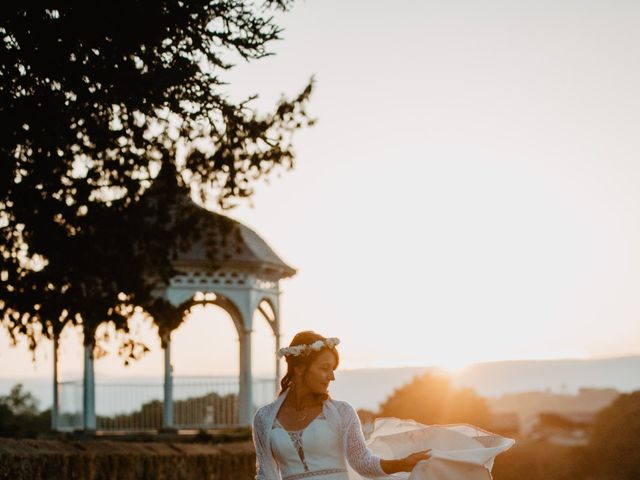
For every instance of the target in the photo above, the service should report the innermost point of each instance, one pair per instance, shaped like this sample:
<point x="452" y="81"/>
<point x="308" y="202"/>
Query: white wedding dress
<point x="458" y="452"/>
<point x="332" y="447"/>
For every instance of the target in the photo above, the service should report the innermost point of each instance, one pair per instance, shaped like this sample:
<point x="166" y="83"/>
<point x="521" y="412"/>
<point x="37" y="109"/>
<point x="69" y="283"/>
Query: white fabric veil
<point x="458" y="451"/>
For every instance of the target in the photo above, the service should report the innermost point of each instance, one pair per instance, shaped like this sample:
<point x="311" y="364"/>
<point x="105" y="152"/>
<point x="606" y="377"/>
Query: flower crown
<point x="306" y="349"/>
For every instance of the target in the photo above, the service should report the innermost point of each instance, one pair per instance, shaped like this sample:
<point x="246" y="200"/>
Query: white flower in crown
<point x="297" y="350"/>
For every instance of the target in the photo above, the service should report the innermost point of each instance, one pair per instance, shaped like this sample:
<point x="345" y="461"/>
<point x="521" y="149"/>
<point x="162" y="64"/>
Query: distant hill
<point x="560" y="376"/>
<point x="367" y="388"/>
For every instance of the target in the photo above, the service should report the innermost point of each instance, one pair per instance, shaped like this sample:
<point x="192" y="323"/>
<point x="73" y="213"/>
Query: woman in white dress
<point x="306" y="434"/>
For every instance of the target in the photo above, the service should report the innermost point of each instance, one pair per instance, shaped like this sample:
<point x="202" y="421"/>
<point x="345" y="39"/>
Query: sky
<point x="469" y="192"/>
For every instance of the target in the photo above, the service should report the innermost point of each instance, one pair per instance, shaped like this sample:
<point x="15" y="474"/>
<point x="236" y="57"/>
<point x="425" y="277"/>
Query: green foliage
<point x="431" y="399"/>
<point x="19" y="415"/>
<point x="95" y="99"/>
<point x="614" y="438"/>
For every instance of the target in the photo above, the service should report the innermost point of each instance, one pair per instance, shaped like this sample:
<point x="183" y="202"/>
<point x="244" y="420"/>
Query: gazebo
<point x="249" y="274"/>
<point x="243" y="279"/>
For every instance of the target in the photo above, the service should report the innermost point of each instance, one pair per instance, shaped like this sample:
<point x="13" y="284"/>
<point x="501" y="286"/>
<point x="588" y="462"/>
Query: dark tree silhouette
<point x="431" y="399"/>
<point x="614" y="438"/>
<point x="95" y="99"/>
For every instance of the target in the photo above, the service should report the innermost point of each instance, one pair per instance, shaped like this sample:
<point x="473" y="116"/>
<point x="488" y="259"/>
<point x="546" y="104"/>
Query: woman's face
<point x="320" y="373"/>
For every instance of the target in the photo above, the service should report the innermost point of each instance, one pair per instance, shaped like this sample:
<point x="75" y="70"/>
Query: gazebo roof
<point x="227" y="243"/>
<point x="215" y="241"/>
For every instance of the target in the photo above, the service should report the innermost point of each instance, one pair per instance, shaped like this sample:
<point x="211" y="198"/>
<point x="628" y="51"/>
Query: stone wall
<point x="101" y="459"/>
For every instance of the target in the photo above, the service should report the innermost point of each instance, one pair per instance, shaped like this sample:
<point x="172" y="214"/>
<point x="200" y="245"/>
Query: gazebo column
<point x="275" y="325"/>
<point x="246" y="380"/>
<point x="278" y="363"/>
<point x="55" y="407"/>
<point x="89" y="390"/>
<point x="167" y="414"/>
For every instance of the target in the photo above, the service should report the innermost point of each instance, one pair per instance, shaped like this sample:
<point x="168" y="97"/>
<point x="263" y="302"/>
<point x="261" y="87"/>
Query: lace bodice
<point x="313" y="452"/>
<point x="335" y="438"/>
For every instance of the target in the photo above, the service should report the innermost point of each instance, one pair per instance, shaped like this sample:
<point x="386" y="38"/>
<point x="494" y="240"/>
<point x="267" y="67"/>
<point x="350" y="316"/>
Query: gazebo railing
<point x="198" y="403"/>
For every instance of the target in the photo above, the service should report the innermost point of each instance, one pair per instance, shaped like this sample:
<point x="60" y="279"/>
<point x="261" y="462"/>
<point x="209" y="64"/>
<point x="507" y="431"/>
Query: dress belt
<point x="316" y="473"/>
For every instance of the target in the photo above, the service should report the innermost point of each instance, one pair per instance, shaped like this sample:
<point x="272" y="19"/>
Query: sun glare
<point x="454" y="365"/>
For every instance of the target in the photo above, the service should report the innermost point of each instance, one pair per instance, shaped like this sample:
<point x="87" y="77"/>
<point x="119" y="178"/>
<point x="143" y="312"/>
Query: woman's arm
<point x="362" y="459"/>
<point x="258" y="443"/>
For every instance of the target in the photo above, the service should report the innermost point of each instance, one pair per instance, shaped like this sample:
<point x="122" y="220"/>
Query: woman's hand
<point x="411" y="460"/>
<point x="405" y="464"/>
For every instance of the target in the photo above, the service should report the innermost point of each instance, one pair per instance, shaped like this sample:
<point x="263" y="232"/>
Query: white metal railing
<point x="198" y="403"/>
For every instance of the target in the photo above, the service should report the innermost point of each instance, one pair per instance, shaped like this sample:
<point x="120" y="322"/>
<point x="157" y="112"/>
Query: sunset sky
<point x="469" y="193"/>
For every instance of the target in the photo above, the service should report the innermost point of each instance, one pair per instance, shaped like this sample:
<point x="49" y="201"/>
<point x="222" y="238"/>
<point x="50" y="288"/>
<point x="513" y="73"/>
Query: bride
<point x="305" y="433"/>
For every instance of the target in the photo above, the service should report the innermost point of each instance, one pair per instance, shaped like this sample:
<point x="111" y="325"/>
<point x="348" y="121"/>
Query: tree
<point x="95" y="99"/>
<point x="19" y="415"/>
<point x="431" y="399"/>
<point x="614" y="437"/>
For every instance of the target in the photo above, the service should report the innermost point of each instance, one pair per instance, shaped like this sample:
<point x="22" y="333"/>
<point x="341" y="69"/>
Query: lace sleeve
<point x="258" y="427"/>
<point x="359" y="456"/>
